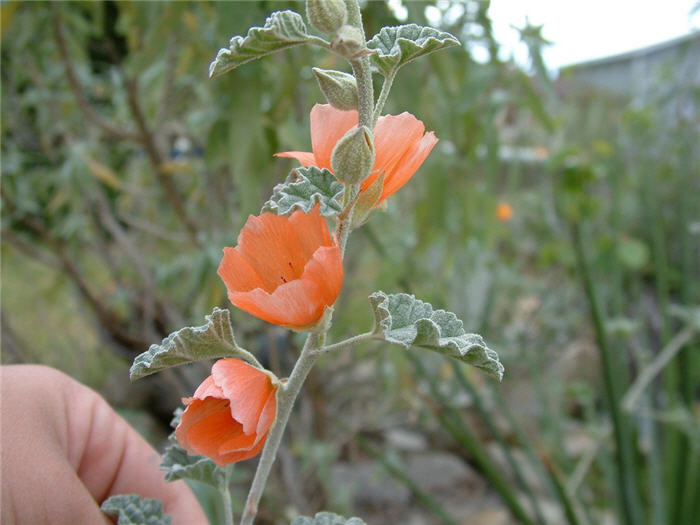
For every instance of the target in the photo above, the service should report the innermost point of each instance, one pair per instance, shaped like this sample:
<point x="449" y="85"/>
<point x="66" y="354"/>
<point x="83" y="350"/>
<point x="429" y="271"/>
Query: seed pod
<point x="353" y="155"/>
<point x="340" y="89"/>
<point x="326" y="15"/>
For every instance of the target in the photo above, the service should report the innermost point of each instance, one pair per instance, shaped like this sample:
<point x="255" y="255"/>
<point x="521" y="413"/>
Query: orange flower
<point x="230" y="414"/>
<point x="400" y="143"/>
<point x="504" y="212"/>
<point x="284" y="270"/>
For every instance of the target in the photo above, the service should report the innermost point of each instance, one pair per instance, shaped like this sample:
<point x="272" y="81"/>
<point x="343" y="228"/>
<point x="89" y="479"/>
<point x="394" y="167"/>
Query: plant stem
<point x="226" y="495"/>
<point x="500" y="439"/>
<point x="344" y="225"/>
<point x="425" y="499"/>
<point x="647" y="375"/>
<point x="309" y="355"/>
<point x="365" y="91"/>
<point x="623" y="454"/>
<point x="285" y="401"/>
<point x="342" y="345"/>
<point x="383" y="95"/>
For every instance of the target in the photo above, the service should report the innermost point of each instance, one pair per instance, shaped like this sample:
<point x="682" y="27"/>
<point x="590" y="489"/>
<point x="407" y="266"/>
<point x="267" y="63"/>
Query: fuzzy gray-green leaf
<point x="282" y="30"/>
<point x="398" y="45"/>
<point x="212" y="340"/>
<point x="178" y="464"/>
<point x="131" y="509"/>
<point x="327" y="518"/>
<point x="402" y="319"/>
<point x="303" y="189"/>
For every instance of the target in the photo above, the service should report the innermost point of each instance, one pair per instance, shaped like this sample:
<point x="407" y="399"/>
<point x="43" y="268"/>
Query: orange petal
<point x="271" y="246"/>
<point x="208" y="389"/>
<point x="325" y="269"/>
<point x="234" y="457"/>
<point x="328" y="125"/>
<point x="237" y="273"/>
<point x="305" y="158"/>
<point x="311" y="230"/>
<point x="239" y="443"/>
<point x="246" y="387"/>
<point x="394" y="135"/>
<point x="408" y="165"/>
<point x="205" y="424"/>
<point x="300" y="303"/>
<point x="267" y="416"/>
<point x="295" y="304"/>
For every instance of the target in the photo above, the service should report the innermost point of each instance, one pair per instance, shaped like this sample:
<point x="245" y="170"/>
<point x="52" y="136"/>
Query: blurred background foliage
<point x="125" y="171"/>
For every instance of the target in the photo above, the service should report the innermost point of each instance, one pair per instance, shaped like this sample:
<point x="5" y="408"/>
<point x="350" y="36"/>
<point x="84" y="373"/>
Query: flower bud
<point x="339" y="88"/>
<point x="368" y="201"/>
<point x="326" y="15"/>
<point x="353" y="155"/>
<point x="349" y="42"/>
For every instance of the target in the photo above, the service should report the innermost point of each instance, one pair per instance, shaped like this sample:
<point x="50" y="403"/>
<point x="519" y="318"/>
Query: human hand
<point x="65" y="450"/>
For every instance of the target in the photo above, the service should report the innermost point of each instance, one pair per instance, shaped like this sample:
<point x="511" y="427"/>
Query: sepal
<point x="349" y="42"/>
<point x="326" y="15"/>
<point x="340" y="89"/>
<point x="353" y="155"/>
<point x="367" y="202"/>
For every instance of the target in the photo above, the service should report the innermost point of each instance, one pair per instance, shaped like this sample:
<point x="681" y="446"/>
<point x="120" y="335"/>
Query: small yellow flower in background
<point x="504" y="212"/>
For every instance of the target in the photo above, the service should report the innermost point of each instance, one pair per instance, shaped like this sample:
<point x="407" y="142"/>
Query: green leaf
<point x="131" y="509"/>
<point x="178" y="464"/>
<point x="407" y="321"/>
<point x="212" y="340"/>
<point x="327" y="518"/>
<point x="282" y="30"/>
<point x="398" y="45"/>
<point x="303" y="189"/>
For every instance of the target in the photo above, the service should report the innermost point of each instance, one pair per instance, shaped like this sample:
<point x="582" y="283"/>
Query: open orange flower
<point x="230" y="414"/>
<point x="400" y="144"/>
<point x="284" y="270"/>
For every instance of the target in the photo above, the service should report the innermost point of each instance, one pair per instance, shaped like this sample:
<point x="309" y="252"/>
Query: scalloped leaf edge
<point x="173" y="352"/>
<point x="327" y="518"/>
<point x="132" y="509"/>
<point x="429" y="325"/>
<point x="287" y="198"/>
<point x="271" y="37"/>
<point x="428" y="37"/>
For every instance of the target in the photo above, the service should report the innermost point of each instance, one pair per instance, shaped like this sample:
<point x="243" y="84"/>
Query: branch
<point x="87" y="108"/>
<point x="156" y="160"/>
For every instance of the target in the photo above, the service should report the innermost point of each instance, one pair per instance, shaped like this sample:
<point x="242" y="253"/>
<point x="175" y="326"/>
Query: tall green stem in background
<point x="624" y="453"/>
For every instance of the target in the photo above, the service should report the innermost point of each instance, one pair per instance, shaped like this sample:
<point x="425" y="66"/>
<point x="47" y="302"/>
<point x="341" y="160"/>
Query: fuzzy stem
<point x="383" y="95"/>
<point x="226" y="495"/>
<point x="365" y="91"/>
<point x="288" y="393"/>
<point x="285" y="401"/>
<point x="342" y="345"/>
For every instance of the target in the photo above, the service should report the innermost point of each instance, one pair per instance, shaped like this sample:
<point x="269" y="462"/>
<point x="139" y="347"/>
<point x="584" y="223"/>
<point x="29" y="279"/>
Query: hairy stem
<point x="342" y="345"/>
<point x="285" y="401"/>
<point x="226" y="495"/>
<point x="383" y="95"/>
<point x="310" y="353"/>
